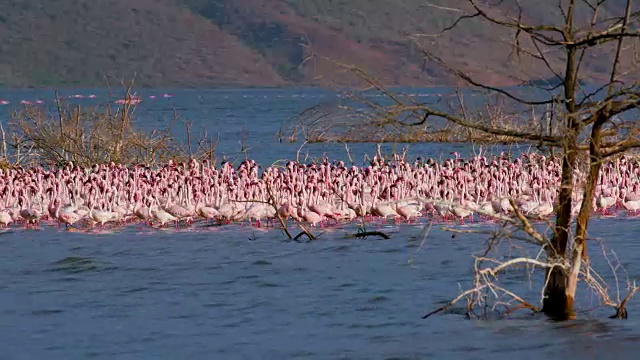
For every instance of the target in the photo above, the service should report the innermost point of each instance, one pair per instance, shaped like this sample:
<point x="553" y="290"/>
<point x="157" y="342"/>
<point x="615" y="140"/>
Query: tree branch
<point x="475" y="83"/>
<point x="534" y="31"/>
<point x="592" y="40"/>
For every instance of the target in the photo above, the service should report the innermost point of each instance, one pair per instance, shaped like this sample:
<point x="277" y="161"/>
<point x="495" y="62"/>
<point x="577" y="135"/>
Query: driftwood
<point x="368" y="233"/>
<point x="304" y="232"/>
<point x="621" y="310"/>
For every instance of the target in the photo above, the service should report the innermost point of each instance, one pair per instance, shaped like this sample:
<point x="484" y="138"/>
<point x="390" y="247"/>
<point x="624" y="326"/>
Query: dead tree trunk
<point x="555" y="303"/>
<point x="582" y="109"/>
<point x="579" y="243"/>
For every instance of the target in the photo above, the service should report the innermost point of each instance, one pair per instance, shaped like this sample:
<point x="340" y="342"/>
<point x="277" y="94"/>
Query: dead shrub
<point x="95" y="135"/>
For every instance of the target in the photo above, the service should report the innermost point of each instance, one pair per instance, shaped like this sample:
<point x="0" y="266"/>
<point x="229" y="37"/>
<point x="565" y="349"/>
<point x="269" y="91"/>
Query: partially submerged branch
<point x="364" y="234"/>
<point x="451" y="303"/>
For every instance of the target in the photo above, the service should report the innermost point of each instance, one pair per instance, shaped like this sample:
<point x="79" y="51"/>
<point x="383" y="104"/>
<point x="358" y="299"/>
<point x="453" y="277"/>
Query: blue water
<point x="232" y="292"/>
<point x="246" y="122"/>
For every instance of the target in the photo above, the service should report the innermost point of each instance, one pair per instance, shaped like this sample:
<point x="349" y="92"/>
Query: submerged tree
<point x="600" y="120"/>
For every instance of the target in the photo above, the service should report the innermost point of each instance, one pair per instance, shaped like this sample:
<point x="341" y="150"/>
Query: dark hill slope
<point x="259" y="42"/>
<point x="76" y="42"/>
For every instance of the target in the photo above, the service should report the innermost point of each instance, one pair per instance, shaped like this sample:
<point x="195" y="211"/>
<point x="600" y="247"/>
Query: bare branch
<point x="535" y="31"/>
<point x="592" y="40"/>
<point x="478" y="84"/>
<point x="621" y="310"/>
<point x="526" y="225"/>
<point x="454" y="301"/>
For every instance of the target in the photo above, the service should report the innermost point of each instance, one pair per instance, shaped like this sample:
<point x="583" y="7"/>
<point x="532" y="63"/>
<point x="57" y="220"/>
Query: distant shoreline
<point x="221" y="87"/>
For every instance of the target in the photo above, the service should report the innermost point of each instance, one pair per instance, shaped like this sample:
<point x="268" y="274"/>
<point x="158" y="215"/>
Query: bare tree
<point x="599" y="121"/>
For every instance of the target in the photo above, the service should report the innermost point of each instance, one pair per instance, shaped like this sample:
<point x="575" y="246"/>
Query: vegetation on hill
<point x="249" y="42"/>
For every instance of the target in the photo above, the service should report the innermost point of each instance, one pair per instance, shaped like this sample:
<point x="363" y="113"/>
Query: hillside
<point x="252" y="42"/>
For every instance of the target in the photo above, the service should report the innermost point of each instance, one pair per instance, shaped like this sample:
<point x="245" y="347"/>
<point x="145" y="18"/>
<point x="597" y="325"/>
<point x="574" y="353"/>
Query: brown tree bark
<point x="556" y="304"/>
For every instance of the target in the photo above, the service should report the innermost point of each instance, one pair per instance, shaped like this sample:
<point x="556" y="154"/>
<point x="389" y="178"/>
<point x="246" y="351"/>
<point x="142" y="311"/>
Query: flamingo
<point x="160" y="216"/>
<point x="178" y="211"/>
<point x="458" y="188"/>
<point x="30" y="215"/>
<point x="141" y="211"/>
<point x="206" y="212"/>
<point x="310" y="216"/>
<point x="409" y="209"/>
<point x="67" y="217"/>
<point x="461" y="212"/>
<point x="544" y="209"/>
<point x="605" y="200"/>
<point x="325" y="210"/>
<point x="631" y="202"/>
<point x="100" y="216"/>
<point x="5" y="218"/>
<point x="260" y="211"/>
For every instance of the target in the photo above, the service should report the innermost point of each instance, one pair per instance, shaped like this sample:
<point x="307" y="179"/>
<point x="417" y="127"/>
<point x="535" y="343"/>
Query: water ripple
<point x="219" y="295"/>
<point x="46" y="312"/>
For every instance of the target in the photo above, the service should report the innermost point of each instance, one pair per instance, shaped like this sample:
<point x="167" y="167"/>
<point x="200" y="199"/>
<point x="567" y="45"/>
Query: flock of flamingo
<point x="133" y="100"/>
<point x="319" y="194"/>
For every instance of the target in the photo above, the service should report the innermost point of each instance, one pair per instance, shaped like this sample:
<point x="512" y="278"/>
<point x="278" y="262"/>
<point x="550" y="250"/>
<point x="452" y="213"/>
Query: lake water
<point x="232" y="292"/>
<point x="243" y="117"/>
